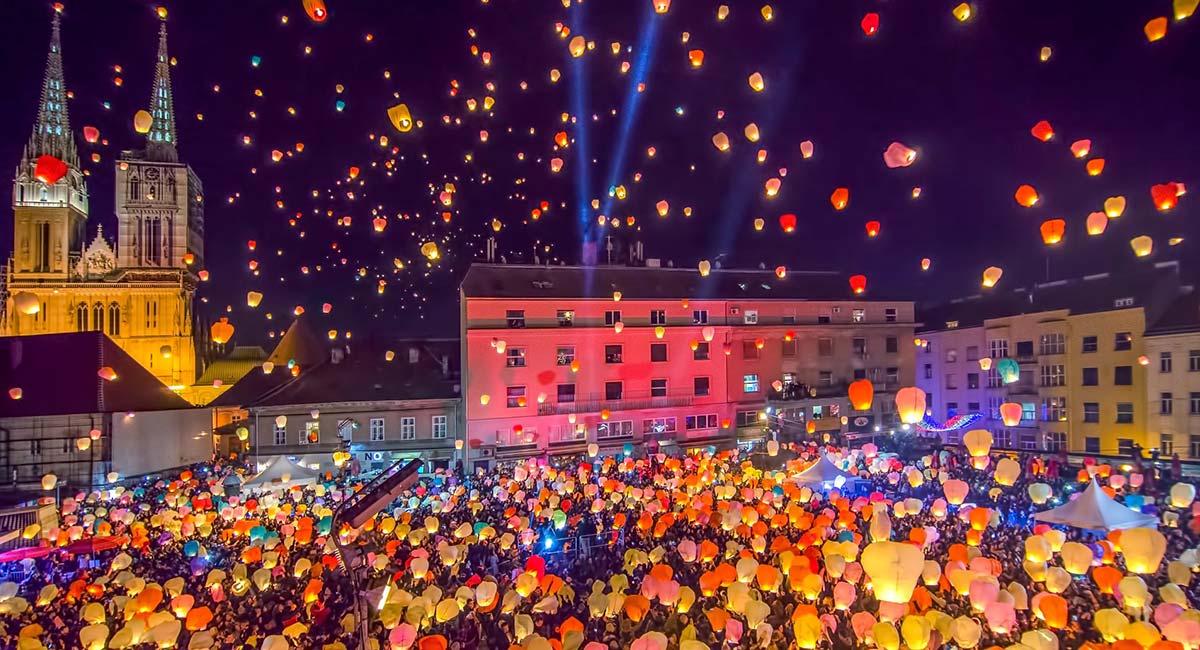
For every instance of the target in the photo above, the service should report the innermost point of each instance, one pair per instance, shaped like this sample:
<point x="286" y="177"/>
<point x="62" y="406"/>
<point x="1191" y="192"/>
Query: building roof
<point x="58" y="375"/>
<point x="299" y="344"/>
<point x="1153" y="288"/>
<point x="653" y="283"/>
<point x="232" y="367"/>
<point x="1181" y="316"/>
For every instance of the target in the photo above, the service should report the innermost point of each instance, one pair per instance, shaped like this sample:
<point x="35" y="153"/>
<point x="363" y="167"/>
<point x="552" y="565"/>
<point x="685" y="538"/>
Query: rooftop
<point x="654" y="283"/>
<point x="1181" y="316"/>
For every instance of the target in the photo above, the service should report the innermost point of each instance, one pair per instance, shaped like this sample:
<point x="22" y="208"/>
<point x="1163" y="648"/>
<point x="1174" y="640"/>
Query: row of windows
<point x="377" y="430"/>
<point x="515" y="318"/>
<point x="98" y="312"/>
<point x="1051" y="376"/>
<point x="1166" y="444"/>
<point x="1166" y="403"/>
<point x="1048" y="344"/>
<point x="515" y="357"/>
<point x="515" y="396"/>
<point x="1166" y="363"/>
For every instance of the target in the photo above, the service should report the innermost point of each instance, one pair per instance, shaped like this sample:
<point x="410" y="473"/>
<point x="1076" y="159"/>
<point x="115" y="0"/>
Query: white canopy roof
<point x="281" y="473"/>
<point x="1095" y="510"/>
<point x="823" y="471"/>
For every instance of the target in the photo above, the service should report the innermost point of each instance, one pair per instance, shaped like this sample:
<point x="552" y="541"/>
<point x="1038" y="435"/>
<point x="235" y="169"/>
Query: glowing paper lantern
<point x="870" y="24"/>
<point x="858" y="283"/>
<point x="1182" y="495"/>
<point x="894" y="569"/>
<point x="142" y="121"/>
<point x="705" y="267"/>
<point x="1080" y="148"/>
<point x="1010" y="412"/>
<point x="872" y="228"/>
<point x="955" y="491"/>
<point x="962" y="12"/>
<point x="1042" y="131"/>
<point x="1165" y="196"/>
<point x="400" y="117"/>
<point x="1076" y="558"/>
<point x="27" y="303"/>
<point x="806" y="149"/>
<point x="721" y="141"/>
<point x="1026" y="196"/>
<point x="316" y="10"/>
<point x="1114" y="206"/>
<point x="1143" y="549"/>
<point x="49" y="170"/>
<point x="1185" y="8"/>
<point x="253" y="298"/>
<point x="910" y="404"/>
<point x="107" y="373"/>
<point x="1156" y="29"/>
<point x="898" y="155"/>
<point x="861" y="393"/>
<point x="756" y="82"/>
<point x="1052" y="231"/>
<point x="991" y="275"/>
<point x="787" y="222"/>
<point x="221" y="331"/>
<point x="840" y="198"/>
<point x="1007" y="471"/>
<point x="1097" y="223"/>
<point x="1095" y="166"/>
<point x="1142" y="245"/>
<point x="49" y="481"/>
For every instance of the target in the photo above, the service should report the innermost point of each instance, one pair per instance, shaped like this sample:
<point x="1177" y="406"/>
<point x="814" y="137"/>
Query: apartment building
<point x="1173" y="379"/>
<point x="557" y="358"/>
<point x="1080" y="355"/>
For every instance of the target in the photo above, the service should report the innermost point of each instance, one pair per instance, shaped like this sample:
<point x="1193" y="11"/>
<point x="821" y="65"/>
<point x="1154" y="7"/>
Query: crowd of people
<point x="668" y="553"/>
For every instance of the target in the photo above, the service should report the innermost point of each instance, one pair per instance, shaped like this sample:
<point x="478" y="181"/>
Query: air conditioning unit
<point x="484" y="452"/>
<point x="735" y="310"/>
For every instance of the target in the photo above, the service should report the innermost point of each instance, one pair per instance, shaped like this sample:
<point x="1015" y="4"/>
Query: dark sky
<point x="964" y="95"/>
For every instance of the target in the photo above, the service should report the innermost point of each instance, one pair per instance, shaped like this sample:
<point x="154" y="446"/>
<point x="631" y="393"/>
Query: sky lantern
<point x="1143" y="549"/>
<point x="926" y="263"/>
<point x="662" y="207"/>
<point x="316" y="10"/>
<point x="662" y="6"/>
<point x="430" y="251"/>
<point x="721" y="141"/>
<point x="767" y="12"/>
<point x="1043" y="131"/>
<point x="898" y="155"/>
<point x="978" y="442"/>
<point x="49" y="170"/>
<point x="27" y="303"/>
<point x="379" y="223"/>
<point x="578" y="46"/>
<point x="705" y="267"/>
<point x="858" y="283"/>
<point x="1027" y="196"/>
<point x="722" y="12"/>
<point x="1142" y="245"/>
<point x="870" y="24"/>
<point x="221" y="331"/>
<point x="1165" y="195"/>
<point x="781" y="272"/>
<point x="1097" y="222"/>
<point x="16" y="393"/>
<point x="910" y="404"/>
<point x="840" y="198"/>
<point x="1185" y="8"/>
<point x="771" y="187"/>
<point x="400" y="117"/>
<point x="991" y="275"/>
<point x="787" y="222"/>
<point x="861" y="393"/>
<point x="1044" y="53"/>
<point x="872" y="228"/>
<point x="756" y="82"/>
<point x="759" y="224"/>
<point x="696" y="57"/>
<point x="1095" y="166"/>
<point x="1010" y="412"/>
<point x="894" y="569"/>
<point x="1009" y="370"/>
<point x="962" y="12"/>
<point x="806" y="149"/>
<point x="1156" y="29"/>
<point x="253" y="298"/>
<point x="1114" y="206"/>
<point x="142" y="121"/>
<point x="1052" y="231"/>
<point x="751" y="132"/>
<point x="1080" y="148"/>
<point x="91" y="134"/>
<point x="556" y="165"/>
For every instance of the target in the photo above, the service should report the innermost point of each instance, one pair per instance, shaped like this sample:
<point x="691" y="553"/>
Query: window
<point x="1193" y="360"/>
<point x="858" y="315"/>
<point x="929" y="371"/>
<point x="1166" y="444"/>
<point x="825" y="347"/>
<point x="114" y="318"/>
<point x="1193" y="403"/>
<point x="1123" y="341"/>
<point x="514" y="357"/>
<point x="951" y="324"/>
<point x="658" y="317"/>
<point x="515" y="318"/>
<point x="892" y="375"/>
<point x="1194" y="446"/>
<point x="408" y="426"/>
<point x="613" y="353"/>
<point x="700" y="386"/>
<point x="1091" y="445"/>
<point x="658" y="388"/>
<point x="951" y="382"/>
<point x="440" y="427"/>
<point x="1053" y="343"/>
<point x="701" y="422"/>
<point x="972" y="407"/>
<point x="619" y="429"/>
<point x="998" y="348"/>
<point x="566" y="318"/>
<point x="1054" y="375"/>
<point x="376" y="427"/>
<point x="859" y="347"/>
<point x="566" y="393"/>
<point x="1123" y="375"/>
<point x="749" y="350"/>
<point x="972" y="380"/>
<point x="825" y="378"/>
<point x="889" y="314"/>
<point x="951" y="409"/>
<point x="1091" y="376"/>
<point x="1024" y="349"/>
<point x="1091" y="412"/>
<point x="972" y="353"/>
<point x="515" y="396"/>
<point x="1123" y="302"/>
<point x="564" y="355"/>
<point x="312" y="433"/>
<point x="1124" y="446"/>
<point x="658" y="425"/>
<point x="860" y="373"/>
<point x="790" y="348"/>
<point x="824" y="319"/>
<point x="701" y="352"/>
<point x="700" y="316"/>
<point x="789" y="318"/>
<point x="1164" y="362"/>
<point x="891" y="345"/>
<point x="1090" y="344"/>
<point x="1165" y="401"/>
<point x="612" y="318"/>
<point x="1054" y="409"/>
<point x="1028" y="411"/>
<point x="280" y="435"/>
<point x="750" y="317"/>
<point x="151" y="314"/>
<point x="747" y="418"/>
<point x="1004" y="439"/>
<point x="749" y="383"/>
<point x="1056" y="441"/>
<point x="1124" y="413"/>
<point x="658" y="352"/>
<point x="613" y="390"/>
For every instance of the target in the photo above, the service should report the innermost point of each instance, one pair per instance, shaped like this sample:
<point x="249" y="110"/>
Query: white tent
<point x="279" y="474"/>
<point x="1095" y="510"/>
<point x="824" y="473"/>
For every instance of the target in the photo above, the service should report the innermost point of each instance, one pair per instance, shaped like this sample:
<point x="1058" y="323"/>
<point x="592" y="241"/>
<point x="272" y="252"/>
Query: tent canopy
<point x="1095" y="510"/>
<point x="281" y="472"/>
<point x="822" y="472"/>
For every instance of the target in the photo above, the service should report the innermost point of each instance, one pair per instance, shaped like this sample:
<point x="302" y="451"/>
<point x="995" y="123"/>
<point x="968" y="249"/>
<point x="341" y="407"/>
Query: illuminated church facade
<point x="138" y="290"/>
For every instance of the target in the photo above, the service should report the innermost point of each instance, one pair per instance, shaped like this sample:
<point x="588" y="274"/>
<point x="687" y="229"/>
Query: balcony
<point x="801" y="392"/>
<point x="596" y="402"/>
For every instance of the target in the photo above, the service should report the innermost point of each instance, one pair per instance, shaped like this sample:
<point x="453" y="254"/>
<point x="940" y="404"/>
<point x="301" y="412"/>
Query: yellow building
<point x="139" y="294"/>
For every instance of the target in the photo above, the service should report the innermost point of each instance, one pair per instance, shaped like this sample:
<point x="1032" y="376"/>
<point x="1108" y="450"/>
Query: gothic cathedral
<point x="139" y="293"/>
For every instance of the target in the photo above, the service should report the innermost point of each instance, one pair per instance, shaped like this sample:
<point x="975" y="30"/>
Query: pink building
<point x="555" y="358"/>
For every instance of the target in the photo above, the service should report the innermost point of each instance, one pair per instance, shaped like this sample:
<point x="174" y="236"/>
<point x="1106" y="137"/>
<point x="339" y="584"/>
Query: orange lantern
<point x="1097" y="223"/>
<point x="316" y="10"/>
<point x="872" y="228"/>
<point x="858" y="283"/>
<point x="1052" y="231"/>
<point x="1043" y="131"/>
<point x="910" y="403"/>
<point x="1156" y="29"/>
<point x="1027" y="196"/>
<point x="1165" y="196"/>
<point x="861" y="393"/>
<point x="787" y="222"/>
<point x="840" y="198"/>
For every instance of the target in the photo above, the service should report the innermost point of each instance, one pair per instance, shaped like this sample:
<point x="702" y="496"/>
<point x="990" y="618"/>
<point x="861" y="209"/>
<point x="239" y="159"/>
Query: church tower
<point x="49" y="220"/>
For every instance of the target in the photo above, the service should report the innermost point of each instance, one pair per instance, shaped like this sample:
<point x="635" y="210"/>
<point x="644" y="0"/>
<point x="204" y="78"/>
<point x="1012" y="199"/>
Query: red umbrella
<point x="29" y="552"/>
<point x="95" y="545"/>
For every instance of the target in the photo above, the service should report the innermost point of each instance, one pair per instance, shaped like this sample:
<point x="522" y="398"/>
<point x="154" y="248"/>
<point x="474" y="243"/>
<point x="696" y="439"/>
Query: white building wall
<point x="1179" y="430"/>
<point x="152" y="441"/>
<point x="944" y="371"/>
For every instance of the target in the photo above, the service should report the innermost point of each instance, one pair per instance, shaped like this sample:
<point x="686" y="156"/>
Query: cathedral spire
<point x="52" y="132"/>
<point x="161" y="140"/>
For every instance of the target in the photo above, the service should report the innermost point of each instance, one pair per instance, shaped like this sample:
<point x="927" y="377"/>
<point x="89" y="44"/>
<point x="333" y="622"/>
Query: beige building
<point x="139" y="294"/>
<point x="1173" y="379"/>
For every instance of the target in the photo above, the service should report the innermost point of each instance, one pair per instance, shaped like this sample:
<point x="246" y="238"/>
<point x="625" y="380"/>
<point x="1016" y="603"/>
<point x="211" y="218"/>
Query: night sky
<point x="964" y="95"/>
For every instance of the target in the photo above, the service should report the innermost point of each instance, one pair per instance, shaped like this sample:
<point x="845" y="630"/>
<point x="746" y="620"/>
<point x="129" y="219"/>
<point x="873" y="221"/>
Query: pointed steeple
<point x="160" y="141"/>
<point x="52" y="131"/>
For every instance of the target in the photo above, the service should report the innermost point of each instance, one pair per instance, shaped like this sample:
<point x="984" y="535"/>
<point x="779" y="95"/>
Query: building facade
<point x="141" y="293"/>
<point x="1173" y="379"/>
<point x="558" y="358"/>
